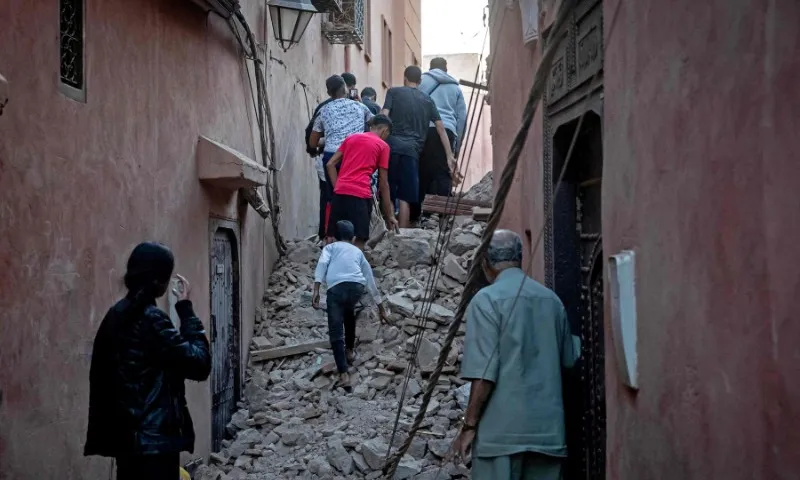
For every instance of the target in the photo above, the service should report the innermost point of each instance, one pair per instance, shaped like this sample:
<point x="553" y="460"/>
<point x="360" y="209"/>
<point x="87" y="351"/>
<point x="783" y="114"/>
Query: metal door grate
<point x="71" y="43"/>
<point x="224" y="334"/>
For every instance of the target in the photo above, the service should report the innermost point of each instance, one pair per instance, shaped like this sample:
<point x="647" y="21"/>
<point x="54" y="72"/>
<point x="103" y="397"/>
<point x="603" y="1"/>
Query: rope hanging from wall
<point x="506" y="180"/>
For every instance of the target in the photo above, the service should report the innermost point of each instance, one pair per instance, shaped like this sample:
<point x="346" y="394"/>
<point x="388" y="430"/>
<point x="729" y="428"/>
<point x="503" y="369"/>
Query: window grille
<point x="346" y="28"/>
<point x="72" y="68"/>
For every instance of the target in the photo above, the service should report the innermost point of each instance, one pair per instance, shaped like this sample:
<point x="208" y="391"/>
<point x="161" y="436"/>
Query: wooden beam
<point x="467" y="201"/>
<point x="451" y="205"/>
<point x="451" y="210"/>
<point x="481" y="214"/>
<point x="288" y="351"/>
<point x="440" y="200"/>
<point x="479" y="86"/>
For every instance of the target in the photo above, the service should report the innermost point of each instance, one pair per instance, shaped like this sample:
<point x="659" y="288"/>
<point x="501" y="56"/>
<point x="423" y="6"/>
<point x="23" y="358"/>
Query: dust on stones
<point x="293" y="423"/>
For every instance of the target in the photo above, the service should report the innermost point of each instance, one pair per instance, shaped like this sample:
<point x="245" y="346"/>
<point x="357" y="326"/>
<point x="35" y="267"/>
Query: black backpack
<point x="310" y="128"/>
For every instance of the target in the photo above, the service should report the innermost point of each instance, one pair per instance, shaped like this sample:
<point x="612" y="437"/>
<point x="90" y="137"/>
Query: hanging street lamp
<point x="290" y="18"/>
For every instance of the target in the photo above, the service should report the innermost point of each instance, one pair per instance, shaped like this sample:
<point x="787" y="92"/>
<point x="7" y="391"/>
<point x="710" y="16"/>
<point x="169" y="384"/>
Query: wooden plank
<point x="287" y="351"/>
<point x="447" y="211"/>
<point x="453" y="200"/>
<point x="479" y="86"/>
<point x="460" y="206"/>
<point x="481" y="214"/>
<point x="451" y="205"/>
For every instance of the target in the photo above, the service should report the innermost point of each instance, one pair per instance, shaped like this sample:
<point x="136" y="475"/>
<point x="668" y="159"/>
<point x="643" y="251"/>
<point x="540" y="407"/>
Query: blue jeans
<point x="342" y="300"/>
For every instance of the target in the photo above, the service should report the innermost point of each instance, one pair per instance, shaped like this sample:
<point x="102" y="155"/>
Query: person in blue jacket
<point x="436" y="176"/>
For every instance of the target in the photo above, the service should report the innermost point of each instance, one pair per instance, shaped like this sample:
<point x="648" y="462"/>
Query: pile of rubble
<point x="483" y="190"/>
<point x="294" y="422"/>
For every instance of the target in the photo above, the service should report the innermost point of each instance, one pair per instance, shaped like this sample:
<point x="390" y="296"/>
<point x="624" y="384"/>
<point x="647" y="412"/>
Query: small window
<point x="386" y="54"/>
<point x="72" y="67"/>
<point x="368" y="30"/>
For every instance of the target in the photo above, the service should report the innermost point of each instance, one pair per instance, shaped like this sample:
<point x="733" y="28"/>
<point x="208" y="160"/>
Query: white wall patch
<point x="622" y="279"/>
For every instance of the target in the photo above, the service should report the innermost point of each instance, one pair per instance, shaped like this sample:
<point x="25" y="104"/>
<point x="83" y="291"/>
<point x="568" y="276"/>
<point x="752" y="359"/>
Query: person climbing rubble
<point x="336" y="120"/>
<point x="294" y="422"/>
<point x="347" y="274"/>
<point x="360" y="156"/>
<point x="411" y="111"/>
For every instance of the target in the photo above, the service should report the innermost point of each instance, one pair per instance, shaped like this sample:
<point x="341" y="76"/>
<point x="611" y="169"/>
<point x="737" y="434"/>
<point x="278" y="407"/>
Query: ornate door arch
<point x="573" y="235"/>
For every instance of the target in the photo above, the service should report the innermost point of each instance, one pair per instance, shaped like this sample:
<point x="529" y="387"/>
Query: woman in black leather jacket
<point x="137" y="402"/>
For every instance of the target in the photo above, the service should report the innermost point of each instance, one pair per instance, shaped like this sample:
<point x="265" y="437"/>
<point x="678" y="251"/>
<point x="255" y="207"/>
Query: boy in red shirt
<point x="360" y="155"/>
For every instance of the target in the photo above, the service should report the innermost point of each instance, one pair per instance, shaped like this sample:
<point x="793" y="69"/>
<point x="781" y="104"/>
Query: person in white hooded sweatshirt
<point x="436" y="176"/>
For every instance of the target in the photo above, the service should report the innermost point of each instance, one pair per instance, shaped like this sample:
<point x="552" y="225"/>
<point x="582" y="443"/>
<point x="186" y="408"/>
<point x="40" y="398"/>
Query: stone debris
<point x="482" y="191"/>
<point x="295" y="423"/>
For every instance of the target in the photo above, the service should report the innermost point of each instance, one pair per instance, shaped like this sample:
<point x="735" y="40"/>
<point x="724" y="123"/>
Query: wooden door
<point x="224" y="333"/>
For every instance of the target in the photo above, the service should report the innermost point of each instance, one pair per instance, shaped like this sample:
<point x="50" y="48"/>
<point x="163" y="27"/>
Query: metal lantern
<point x="290" y="18"/>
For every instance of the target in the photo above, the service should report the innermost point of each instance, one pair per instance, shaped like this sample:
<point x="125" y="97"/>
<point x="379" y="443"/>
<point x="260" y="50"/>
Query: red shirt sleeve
<point x="383" y="156"/>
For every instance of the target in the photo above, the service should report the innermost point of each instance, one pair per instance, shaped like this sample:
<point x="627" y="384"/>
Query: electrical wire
<point x="263" y="110"/>
<point x="440" y="248"/>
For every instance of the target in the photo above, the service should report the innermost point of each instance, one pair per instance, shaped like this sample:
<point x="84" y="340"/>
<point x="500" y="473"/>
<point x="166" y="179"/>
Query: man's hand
<point x="383" y="314"/>
<point x="457" y="178"/>
<point x="315" y="299"/>
<point x="391" y="224"/>
<point x="455" y="175"/>
<point x="462" y="445"/>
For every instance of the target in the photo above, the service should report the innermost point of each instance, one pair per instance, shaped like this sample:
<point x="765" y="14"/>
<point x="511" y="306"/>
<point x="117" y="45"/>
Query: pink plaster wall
<point x="475" y="157"/>
<point x="701" y="175"/>
<point x="82" y="183"/>
<point x="510" y="79"/>
<point x="700" y="178"/>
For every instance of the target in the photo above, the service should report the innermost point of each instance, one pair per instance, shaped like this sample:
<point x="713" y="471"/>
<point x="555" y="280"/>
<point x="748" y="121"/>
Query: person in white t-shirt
<point x="347" y="274"/>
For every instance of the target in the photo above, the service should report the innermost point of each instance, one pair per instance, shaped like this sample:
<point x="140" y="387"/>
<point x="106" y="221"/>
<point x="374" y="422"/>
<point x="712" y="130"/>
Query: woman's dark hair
<point x="149" y="270"/>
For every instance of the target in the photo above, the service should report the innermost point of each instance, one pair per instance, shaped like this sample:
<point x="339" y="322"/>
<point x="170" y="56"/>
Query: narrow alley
<point x="399" y="239"/>
<point x="295" y="422"/>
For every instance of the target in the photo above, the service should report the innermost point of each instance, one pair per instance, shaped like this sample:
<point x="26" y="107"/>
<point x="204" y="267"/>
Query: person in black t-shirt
<point x="368" y="97"/>
<point x="411" y="112"/>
